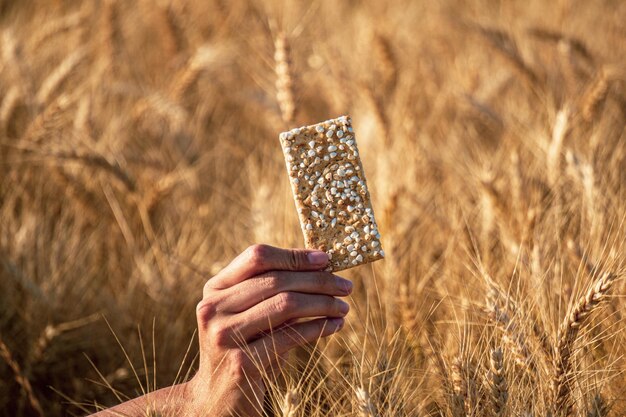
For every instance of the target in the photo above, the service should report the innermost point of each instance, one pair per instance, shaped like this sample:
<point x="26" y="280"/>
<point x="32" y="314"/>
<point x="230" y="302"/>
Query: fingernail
<point x="343" y="307"/>
<point x="317" y="258"/>
<point x="336" y="323"/>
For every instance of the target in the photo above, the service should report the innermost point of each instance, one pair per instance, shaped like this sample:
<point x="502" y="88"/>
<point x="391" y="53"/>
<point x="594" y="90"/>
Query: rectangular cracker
<point x="330" y="192"/>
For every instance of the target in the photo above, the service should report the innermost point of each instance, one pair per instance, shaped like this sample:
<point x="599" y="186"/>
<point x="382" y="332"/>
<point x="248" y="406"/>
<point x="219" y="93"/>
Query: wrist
<point x="197" y="398"/>
<point x="202" y="398"/>
<point x="193" y="401"/>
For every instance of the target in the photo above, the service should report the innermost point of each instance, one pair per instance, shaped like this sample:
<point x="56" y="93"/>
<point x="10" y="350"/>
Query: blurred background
<point x="139" y="153"/>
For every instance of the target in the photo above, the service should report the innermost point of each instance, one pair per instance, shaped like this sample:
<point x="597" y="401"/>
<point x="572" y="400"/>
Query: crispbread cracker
<point x="330" y="192"/>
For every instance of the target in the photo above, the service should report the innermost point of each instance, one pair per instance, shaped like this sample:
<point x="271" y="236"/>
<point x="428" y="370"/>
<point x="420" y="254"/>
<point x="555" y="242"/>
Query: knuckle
<point x="207" y="288"/>
<point x="220" y="335"/>
<point x="241" y="365"/>
<point x="296" y="260"/>
<point x="239" y="359"/>
<point x="286" y="301"/>
<point x="205" y="311"/>
<point x="236" y="364"/>
<point x="257" y="253"/>
<point x="293" y="260"/>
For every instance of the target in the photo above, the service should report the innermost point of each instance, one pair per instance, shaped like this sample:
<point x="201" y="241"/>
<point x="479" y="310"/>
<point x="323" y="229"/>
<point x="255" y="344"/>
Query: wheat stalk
<point x="517" y="180"/>
<point x="22" y="381"/>
<point x="51" y="332"/>
<point x="447" y="379"/>
<point x="568" y="331"/>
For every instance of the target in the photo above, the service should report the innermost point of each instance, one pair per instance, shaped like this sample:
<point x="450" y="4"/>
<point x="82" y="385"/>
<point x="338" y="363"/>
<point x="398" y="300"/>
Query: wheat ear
<point x="291" y="403"/>
<point x="202" y="59"/>
<point x="559" y="131"/>
<point x="63" y="24"/>
<point x="7" y="107"/>
<point x="573" y="322"/>
<point x="60" y="74"/>
<point x="497" y="382"/>
<point x="388" y="65"/>
<point x="109" y="32"/>
<point x="284" y="78"/>
<point x="595" y="95"/>
<point x="459" y="391"/>
<point x="364" y="403"/>
<point x="512" y="335"/>
<point x="504" y="43"/>
<point x="598" y="407"/>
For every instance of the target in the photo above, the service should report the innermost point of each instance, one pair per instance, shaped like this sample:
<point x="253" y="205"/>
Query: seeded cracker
<point x="330" y="191"/>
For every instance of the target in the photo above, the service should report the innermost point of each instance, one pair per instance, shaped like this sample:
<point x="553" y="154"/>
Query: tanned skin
<point x="266" y="302"/>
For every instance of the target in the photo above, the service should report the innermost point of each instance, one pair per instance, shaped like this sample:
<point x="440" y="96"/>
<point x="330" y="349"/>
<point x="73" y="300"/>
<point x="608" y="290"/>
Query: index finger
<point x="258" y="259"/>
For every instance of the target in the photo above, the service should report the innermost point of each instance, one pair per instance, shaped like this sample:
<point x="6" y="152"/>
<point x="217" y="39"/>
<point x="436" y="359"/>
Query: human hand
<point x="251" y="315"/>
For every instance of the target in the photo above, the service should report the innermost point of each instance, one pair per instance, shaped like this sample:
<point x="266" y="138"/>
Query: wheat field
<point x="139" y="153"/>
